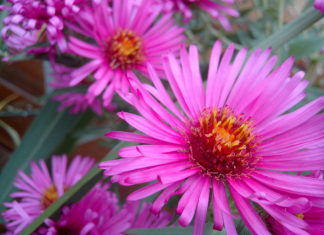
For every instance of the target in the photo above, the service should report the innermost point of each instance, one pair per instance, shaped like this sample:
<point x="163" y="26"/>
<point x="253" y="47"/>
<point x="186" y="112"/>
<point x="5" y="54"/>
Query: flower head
<point x="37" y="17"/>
<point x="314" y="217"/>
<point x="319" y="4"/>
<point x="218" y="10"/>
<point x="235" y="133"/>
<point x="126" y="37"/>
<point x="39" y="190"/>
<point x="78" y="103"/>
<point x="99" y="213"/>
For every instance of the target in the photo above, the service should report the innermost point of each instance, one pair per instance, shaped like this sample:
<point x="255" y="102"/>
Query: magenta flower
<point x="314" y="217"/>
<point x="99" y="213"/>
<point x="41" y="189"/>
<point x="146" y="219"/>
<point x="37" y="17"/>
<point x="234" y="134"/>
<point x="218" y="10"/>
<point x="126" y="37"/>
<point x="78" y="103"/>
<point x="319" y="4"/>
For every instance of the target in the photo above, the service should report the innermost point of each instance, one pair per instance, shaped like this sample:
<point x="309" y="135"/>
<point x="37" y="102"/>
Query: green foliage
<point x="305" y="46"/>
<point x="175" y="231"/>
<point x="43" y="136"/>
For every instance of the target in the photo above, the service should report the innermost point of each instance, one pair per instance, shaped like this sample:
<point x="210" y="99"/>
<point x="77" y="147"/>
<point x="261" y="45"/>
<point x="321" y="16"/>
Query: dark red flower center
<point x="222" y="144"/>
<point x="124" y="50"/>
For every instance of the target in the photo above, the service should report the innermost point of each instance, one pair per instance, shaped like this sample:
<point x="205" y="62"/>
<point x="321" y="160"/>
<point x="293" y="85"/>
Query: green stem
<point x="218" y="34"/>
<point x="281" y="4"/>
<point x="291" y="30"/>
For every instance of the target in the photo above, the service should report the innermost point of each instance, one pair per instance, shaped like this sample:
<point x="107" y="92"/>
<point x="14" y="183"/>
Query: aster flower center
<point x="300" y="216"/>
<point x="49" y="196"/>
<point x="124" y="50"/>
<point x="222" y="144"/>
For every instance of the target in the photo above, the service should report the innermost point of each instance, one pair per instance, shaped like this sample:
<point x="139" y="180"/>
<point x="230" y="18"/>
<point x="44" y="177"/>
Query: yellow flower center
<point x="300" y="216"/>
<point x="124" y="50"/>
<point x="49" y="196"/>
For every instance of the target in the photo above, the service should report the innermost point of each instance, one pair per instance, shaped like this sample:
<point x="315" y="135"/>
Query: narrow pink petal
<point x="147" y="191"/>
<point x="212" y="71"/>
<point x="167" y="179"/>
<point x="191" y="203"/>
<point x="294" y="184"/>
<point x="164" y="197"/>
<point x="133" y="137"/>
<point x="202" y="207"/>
<point x="249" y="216"/>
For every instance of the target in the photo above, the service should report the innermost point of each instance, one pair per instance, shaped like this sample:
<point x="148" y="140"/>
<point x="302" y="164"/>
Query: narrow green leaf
<point x="174" y="231"/>
<point x="162" y="231"/>
<point x="75" y="193"/>
<point x="25" y="56"/>
<point x="292" y="29"/>
<point x="12" y="132"/>
<point x="45" y="133"/>
<point x="305" y="46"/>
<point x="19" y="113"/>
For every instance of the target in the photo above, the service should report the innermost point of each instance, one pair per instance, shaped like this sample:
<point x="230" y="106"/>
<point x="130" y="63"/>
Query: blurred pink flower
<point x="314" y="217"/>
<point x="319" y="4"/>
<point x="99" y="213"/>
<point x="78" y="102"/>
<point x="38" y="17"/>
<point x="41" y="189"/>
<point x="218" y="10"/>
<point x="126" y="38"/>
<point x="234" y="133"/>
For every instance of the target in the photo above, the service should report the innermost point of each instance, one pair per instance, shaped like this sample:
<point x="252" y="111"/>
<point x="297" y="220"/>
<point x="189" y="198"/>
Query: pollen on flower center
<point x="222" y="144"/>
<point x="124" y="50"/>
<point x="49" y="196"/>
<point x="300" y="216"/>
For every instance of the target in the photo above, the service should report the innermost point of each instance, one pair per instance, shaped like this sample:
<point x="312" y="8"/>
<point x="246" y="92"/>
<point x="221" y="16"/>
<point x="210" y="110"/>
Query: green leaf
<point x="12" y="132"/>
<point x="91" y="133"/>
<point x="45" y="133"/>
<point x="305" y="46"/>
<point x="175" y="231"/>
<point x="292" y="29"/>
<point x="23" y="55"/>
<point x="162" y="231"/>
<point x="75" y="193"/>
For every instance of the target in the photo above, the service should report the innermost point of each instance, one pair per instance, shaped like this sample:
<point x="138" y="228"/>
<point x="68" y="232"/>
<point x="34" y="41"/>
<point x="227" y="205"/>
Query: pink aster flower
<point x="314" y="217"/>
<point x="40" y="189"/>
<point x="38" y="16"/>
<point x="99" y="213"/>
<point x="78" y="103"/>
<point x="17" y="39"/>
<point x="319" y="4"/>
<point x="234" y="134"/>
<point x="218" y="10"/>
<point x="126" y="38"/>
<point x="146" y="219"/>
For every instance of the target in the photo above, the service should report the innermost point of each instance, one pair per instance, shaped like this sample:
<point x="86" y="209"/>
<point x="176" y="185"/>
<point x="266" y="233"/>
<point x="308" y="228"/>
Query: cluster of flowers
<point x="121" y="36"/>
<point x="235" y="136"/>
<point x="96" y="213"/>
